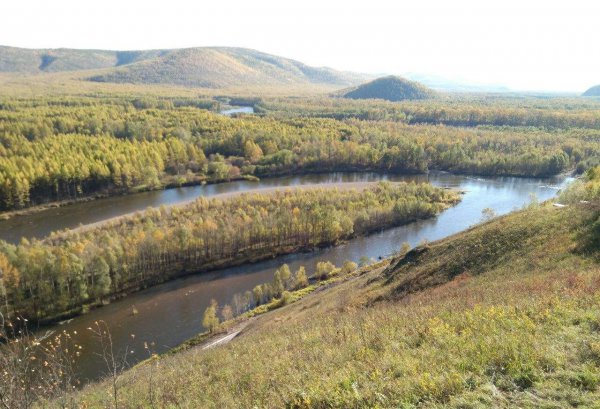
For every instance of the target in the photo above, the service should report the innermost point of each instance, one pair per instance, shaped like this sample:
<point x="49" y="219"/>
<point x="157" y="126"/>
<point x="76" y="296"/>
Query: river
<point x="170" y="313"/>
<point x="42" y="223"/>
<point x="237" y="110"/>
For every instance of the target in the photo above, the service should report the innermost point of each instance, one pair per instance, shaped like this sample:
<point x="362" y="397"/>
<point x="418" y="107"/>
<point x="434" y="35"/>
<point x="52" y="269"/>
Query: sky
<point x="523" y="44"/>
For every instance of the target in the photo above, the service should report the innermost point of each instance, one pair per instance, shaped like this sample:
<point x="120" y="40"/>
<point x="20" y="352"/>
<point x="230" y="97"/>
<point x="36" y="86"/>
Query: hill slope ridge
<point x="213" y="67"/>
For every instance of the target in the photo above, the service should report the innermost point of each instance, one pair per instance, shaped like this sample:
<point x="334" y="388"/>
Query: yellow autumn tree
<point x="9" y="281"/>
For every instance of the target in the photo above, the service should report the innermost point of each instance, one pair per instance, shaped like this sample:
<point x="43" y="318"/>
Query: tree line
<point x="52" y="150"/>
<point x="43" y="279"/>
<point x="466" y="111"/>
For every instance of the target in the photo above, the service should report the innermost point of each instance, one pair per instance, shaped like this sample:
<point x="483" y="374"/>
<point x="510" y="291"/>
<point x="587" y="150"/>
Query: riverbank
<point x="186" y="298"/>
<point x="424" y="330"/>
<point x="41" y="207"/>
<point x="229" y="195"/>
<point x="109" y="260"/>
<point x="228" y="330"/>
<point x="167" y="184"/>
<point x="41" y="224"/>
<point x="170" y="184"/>
<point x="223" y="264"/>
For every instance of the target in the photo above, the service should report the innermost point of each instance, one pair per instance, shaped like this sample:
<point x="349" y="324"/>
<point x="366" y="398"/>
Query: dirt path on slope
<point x="225" y="339"/>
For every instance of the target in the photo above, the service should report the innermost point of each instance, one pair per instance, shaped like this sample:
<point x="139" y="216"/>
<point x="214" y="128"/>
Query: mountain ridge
<point x="210" y="67"/>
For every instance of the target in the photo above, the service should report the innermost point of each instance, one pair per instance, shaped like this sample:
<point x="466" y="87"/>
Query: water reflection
<point x="238" y="110"/>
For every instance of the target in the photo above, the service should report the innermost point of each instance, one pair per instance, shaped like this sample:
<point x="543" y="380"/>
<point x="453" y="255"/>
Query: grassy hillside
<point x="503" y="315"/>
<point x="391" y="89"/>
<point x="32" y="61"/>
<point x="592" y="92"/>
<point x="224" y="67"/>
<point x="206" y="67"/>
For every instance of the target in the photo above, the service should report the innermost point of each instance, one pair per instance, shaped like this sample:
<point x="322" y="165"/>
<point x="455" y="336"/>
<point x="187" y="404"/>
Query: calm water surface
<point x="238" y="110"/>
<point x="170" y="313"/>
<point x="43" y="223"/>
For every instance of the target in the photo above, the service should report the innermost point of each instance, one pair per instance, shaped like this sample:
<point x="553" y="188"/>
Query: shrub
<point x="324" y="269"/>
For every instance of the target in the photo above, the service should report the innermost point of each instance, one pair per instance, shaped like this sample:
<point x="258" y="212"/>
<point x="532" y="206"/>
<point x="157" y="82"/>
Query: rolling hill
<point x="33" y="61"/>
<point x="592" y="92"/>
<point x="389" y="88"/>
<point x="208" y="67"/>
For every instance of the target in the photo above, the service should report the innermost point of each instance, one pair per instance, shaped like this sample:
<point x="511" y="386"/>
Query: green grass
<point x="506" y="314"/>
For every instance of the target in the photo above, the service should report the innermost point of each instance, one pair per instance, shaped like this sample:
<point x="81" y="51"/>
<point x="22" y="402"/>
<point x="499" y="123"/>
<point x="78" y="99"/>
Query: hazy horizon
<point x="538" y="46"/>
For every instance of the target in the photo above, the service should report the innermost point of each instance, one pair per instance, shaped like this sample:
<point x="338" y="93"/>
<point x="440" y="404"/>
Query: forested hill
<point x="211" y="67"/>
<point x="390" y="88"/>
<point x="592" y="92"/>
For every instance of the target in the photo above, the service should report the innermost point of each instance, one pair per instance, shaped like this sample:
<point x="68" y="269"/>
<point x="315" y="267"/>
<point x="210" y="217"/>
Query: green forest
<point x="315" y="205"/>
<point x="64" y="148"/>
<point x="58" y="275"/>
<point x="501" y="309"/>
